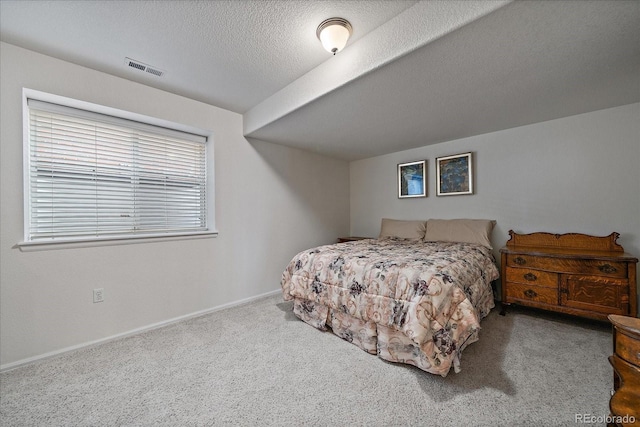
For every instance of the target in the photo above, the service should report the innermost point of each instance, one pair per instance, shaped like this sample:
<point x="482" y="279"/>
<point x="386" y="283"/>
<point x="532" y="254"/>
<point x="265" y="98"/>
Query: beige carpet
<point x="259" y="365"/>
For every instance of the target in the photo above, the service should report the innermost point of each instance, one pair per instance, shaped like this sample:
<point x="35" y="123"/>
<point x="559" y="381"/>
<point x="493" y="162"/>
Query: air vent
<point x="143" y="67"/>
<point x="155" y="72"/>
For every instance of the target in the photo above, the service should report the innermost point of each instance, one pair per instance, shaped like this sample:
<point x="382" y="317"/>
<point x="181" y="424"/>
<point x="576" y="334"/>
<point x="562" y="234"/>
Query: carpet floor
<point x="257" y="364"/>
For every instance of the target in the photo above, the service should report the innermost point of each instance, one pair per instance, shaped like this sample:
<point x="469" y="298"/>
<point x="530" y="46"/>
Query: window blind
<point x="92" y="176"/>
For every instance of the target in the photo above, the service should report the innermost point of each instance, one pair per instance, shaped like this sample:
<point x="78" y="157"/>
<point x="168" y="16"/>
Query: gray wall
<point x="271" y="202"/>
<point x="576" y="174"/>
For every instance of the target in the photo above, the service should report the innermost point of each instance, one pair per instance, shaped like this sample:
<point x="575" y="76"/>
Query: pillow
<point x="403" y="229"/>
<point x="460" y="230"/>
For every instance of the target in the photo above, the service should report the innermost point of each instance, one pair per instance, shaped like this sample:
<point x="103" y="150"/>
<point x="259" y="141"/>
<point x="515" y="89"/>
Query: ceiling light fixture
<point x="334" y="33"/>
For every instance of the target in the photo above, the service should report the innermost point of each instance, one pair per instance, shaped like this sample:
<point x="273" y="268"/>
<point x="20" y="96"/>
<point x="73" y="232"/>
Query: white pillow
<point x="460" y="230"/>
<point x="403" y="229"/>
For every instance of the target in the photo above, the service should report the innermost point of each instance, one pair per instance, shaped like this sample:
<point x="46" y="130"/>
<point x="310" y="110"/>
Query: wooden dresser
<point x="572" y="273"/>
<point x="625" y="401"/>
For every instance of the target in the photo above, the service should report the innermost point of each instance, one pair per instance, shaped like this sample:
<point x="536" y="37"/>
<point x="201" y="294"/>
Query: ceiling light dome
<point x="334" y="33"/>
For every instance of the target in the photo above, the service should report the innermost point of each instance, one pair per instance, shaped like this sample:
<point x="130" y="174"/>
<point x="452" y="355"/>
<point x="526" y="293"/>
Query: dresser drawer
<point x="575" y="266"/>
<point x="524" y="292"/>
<point x="628" y="348"/>
<point x="532" y="277"/>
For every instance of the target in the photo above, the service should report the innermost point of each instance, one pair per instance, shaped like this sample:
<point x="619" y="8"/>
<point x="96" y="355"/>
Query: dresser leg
<point x="503" y="311"/>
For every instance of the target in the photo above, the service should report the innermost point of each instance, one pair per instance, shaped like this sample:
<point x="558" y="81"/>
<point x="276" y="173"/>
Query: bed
<point x="414" y="295"/>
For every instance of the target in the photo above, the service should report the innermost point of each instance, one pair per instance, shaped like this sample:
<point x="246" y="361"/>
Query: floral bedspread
<point x="432" y="293"/>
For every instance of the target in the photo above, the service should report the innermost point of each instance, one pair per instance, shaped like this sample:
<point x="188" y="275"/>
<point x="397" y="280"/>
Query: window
<point x="93" y="176"/>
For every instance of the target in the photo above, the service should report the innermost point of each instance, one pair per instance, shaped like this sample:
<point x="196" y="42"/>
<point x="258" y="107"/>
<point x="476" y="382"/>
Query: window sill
<point x="111" y="241"/>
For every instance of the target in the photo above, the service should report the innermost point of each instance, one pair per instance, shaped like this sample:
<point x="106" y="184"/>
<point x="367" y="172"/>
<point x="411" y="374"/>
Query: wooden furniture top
<point x="627" y="323"/>
<point x="567" y="245"/>
<point x="351" y="238"/>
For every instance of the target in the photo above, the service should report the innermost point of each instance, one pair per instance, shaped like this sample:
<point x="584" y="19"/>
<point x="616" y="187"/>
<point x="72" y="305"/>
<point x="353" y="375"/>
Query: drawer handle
<point x="530" y="293"/>
<point x="520" y="261"/>
<point x="530" y="277"/>
<point x="607" y="268"/>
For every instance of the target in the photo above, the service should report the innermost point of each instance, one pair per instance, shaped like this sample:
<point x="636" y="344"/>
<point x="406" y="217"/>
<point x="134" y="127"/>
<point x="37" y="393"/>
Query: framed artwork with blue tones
<point x="412" y="179"/>
<point x="454" y="175"/>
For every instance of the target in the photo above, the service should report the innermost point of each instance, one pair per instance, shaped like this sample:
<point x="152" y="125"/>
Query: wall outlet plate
<point x="98" y="295"/>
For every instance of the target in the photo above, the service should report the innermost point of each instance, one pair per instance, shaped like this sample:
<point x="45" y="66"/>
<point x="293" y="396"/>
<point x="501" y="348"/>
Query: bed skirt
<point x="388" y="343"/>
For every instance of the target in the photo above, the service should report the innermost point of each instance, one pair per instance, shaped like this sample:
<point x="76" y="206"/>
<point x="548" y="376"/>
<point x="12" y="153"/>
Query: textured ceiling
<point x="232" y="54"/>
<point x="525" y="63"/>
<point x="413" y="74"/>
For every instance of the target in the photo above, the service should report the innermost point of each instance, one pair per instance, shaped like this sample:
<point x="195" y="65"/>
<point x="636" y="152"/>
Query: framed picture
<point x="412" y="179"/>
<point x="454" y="175"/>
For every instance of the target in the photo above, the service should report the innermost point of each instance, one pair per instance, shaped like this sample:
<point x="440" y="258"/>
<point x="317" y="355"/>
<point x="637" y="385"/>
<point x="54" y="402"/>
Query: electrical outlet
<point x="98" y="295"/>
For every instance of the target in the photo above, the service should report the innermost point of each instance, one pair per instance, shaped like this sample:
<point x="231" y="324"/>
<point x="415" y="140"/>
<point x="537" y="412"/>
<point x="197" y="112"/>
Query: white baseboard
<point x="22" y="362"/>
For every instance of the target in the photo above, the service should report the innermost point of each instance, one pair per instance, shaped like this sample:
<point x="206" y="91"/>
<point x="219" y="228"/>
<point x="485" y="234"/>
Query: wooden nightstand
<point x="626" y="364"/>
<point x="572" y="273"/>
<point x="351" y="239"/>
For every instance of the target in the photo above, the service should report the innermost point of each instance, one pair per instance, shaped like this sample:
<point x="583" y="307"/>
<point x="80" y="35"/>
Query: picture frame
<point x="454" y="175"/>
<point x="412" y="179"/>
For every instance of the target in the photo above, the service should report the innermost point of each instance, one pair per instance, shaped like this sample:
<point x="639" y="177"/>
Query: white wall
<point x="576" y="174"/>
<point x="271" y="202"/>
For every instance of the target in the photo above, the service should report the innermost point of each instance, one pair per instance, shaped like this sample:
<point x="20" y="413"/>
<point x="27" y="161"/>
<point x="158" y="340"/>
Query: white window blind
<point x="96" y="176"/>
